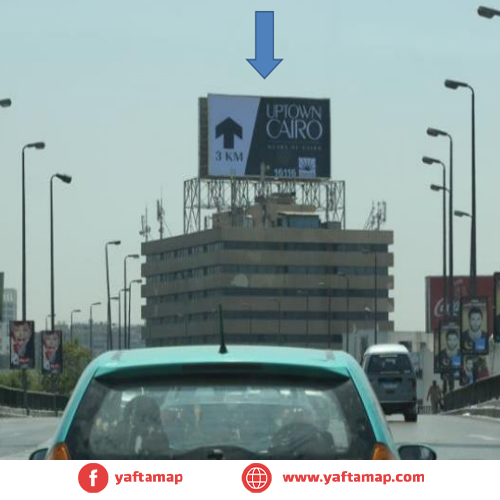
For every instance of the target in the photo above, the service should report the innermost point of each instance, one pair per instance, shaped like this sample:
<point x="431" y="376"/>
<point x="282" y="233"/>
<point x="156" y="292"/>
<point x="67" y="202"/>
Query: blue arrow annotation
<point x="264" y="62"/>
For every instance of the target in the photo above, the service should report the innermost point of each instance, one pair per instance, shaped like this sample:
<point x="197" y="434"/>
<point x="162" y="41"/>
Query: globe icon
<point x="256" y="478"/>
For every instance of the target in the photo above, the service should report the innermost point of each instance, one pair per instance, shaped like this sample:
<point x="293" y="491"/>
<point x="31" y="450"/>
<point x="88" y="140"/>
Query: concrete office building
<point x="282" y="276"/>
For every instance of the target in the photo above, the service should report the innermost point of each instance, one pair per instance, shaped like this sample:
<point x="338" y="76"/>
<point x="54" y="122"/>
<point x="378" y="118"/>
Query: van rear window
<point x="383" y="363"/>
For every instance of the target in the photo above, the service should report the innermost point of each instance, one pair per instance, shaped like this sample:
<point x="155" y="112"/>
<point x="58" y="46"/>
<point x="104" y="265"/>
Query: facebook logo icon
<point x="93" y="478"/>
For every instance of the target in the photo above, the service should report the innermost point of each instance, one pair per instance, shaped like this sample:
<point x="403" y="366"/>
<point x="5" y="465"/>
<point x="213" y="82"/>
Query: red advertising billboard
<point x="434" y="298"/>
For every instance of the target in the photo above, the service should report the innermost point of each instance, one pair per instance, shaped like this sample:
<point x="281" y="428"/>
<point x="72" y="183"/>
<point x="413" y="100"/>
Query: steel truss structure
<point x="205" y="196"/>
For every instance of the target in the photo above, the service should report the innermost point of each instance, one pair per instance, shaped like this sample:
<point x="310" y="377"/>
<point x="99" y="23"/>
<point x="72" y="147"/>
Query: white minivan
<point x="390" y="371"/>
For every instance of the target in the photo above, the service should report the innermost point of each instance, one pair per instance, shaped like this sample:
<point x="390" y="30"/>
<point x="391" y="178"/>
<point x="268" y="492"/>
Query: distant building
<point x="9" y="313"/>
<point x="281" y="274"/>
<point x="81" y="331"/>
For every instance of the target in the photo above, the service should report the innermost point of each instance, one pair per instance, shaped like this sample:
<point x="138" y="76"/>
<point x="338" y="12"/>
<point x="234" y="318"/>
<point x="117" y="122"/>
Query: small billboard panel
<point x="474" y="326"/>
<point x="22" y="344"/>
<point x="449" y="354"/>
<point x="52" y="352"/>
<point x="474" y="368"/>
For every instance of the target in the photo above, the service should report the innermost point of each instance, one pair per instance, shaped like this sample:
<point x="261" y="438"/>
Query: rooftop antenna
<point x="222" y="348"/>
<point x="377" y="217"/>
<point x="145" y="229"/>
<point x="160" y="216"/>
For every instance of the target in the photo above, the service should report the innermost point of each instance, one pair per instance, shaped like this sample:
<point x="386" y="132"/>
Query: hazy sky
<point x="112" y="88"/>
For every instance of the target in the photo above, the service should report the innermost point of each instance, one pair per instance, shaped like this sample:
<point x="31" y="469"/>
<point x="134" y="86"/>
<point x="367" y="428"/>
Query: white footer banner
<point x="224" y="479"/>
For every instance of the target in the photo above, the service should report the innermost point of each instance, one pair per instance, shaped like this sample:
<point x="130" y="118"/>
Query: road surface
<point x="452" y="437"/>
<point x="20" y="436"/>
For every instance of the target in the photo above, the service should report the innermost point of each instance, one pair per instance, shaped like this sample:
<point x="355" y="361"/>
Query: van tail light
<point x="59" y="452"/>
<point x="381" y="452"/>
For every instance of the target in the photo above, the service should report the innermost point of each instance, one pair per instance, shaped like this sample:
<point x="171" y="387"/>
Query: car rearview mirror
<point x="416" y="452"/>
<point x="39" y="454"/>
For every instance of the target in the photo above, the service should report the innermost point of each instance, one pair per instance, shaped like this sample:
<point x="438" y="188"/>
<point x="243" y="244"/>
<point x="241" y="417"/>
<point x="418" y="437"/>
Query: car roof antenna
<point x="222" y="348"/>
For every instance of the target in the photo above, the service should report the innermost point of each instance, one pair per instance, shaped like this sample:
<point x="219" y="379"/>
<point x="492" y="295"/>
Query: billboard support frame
<point x="205" y="196"/>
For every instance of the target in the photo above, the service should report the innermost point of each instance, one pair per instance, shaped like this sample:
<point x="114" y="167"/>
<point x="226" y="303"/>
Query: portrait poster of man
<point x="474" y="326"/>
<point x="468" y="375"/>
<point x="52" y="352"/>
<point x="481" y="367"/>
<point x="22" y="344"/>
<point x="496" y="307"/>
<point x="474" y="368"/>
<point x="450" y="359"/>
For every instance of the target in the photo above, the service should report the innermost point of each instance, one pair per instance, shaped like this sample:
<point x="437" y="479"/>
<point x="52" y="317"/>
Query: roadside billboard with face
<point x="22" y="344"/>
<point x="52" y="352"/>
<point x="474" y="326"/>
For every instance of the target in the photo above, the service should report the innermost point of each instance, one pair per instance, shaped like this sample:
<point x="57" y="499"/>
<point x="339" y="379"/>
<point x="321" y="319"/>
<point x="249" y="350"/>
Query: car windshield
<point x="389" y="363"/>
<point x="221" y="418"/>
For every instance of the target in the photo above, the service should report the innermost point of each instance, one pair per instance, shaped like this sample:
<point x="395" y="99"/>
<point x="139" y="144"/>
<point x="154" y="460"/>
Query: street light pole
<point x="138" y="281"/>
<point x="368" y="310"/>
<point x="445" y="190"/>
<point x="376" y="296"/>
<point x="348" y="291"/>
<point x="118" y="299"/>
<point x="110" y="334"/>
<point x="131" y="256"/>
<point x="74" y="311"/>
<point x="460" y="214"/>
<point x="46" y="325"/>
<point x="328" y="291"/>
<point x="91" y="326"/>
<point x="35" y="145"/>
<point x="432" y="161"/>
<point x="249" y="307"/>
<point x="280" y="340"/>
<point x="487" y="12"/>
<point x="453" y="84"/>
<point x="375" y="269"/>
<point x="348" y="312"/>
<point x="433" y="132"/>
<point x="306" y="294"/>
<point x="67" y="180"/>
<point x="124" y="291"/>
<point x="473" y="230"/>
